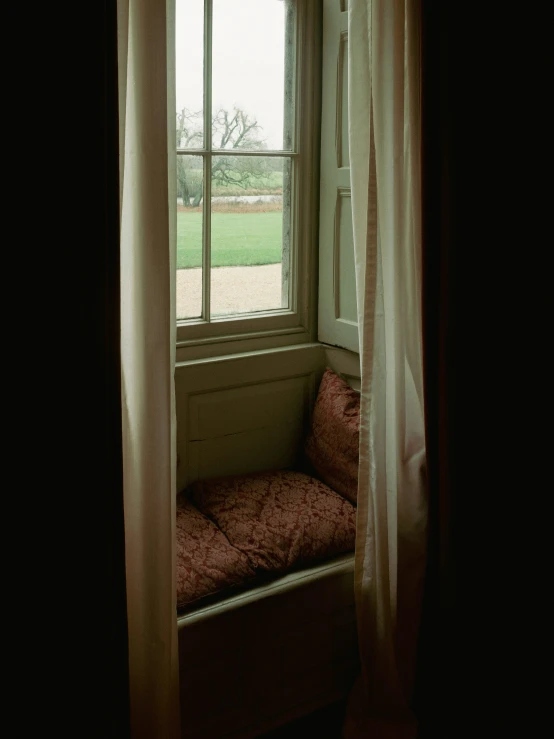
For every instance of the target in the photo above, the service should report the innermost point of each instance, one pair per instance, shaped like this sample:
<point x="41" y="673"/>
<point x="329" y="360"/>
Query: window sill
<point x="259" y="341"/>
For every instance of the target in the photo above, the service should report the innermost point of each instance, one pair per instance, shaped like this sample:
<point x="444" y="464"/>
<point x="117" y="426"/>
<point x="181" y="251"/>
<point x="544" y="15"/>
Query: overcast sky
<point x="248" y="59"/>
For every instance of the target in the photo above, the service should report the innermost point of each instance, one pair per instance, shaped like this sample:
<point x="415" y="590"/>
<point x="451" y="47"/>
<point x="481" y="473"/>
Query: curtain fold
<point x="147" y="363"/>
<point x="384" y="138"/>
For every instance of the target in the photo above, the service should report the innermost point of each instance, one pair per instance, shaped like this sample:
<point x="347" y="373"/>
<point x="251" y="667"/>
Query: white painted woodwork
<point x="245" y="413"/>
<point x="252" y="428"/>
<point x="344" y="363"/>
<point x="337" y="279"/>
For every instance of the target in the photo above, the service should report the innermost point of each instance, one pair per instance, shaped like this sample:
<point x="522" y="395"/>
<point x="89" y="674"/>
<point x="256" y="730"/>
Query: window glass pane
<point x="250" y="234"/>
<point x="189" y="236"/>
<point x="189" y="73"/>
<point x="252" y="87"/>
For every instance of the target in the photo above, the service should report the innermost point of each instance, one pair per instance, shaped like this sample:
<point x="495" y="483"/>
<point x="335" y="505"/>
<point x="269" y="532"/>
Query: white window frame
<point x="198" y="338"/>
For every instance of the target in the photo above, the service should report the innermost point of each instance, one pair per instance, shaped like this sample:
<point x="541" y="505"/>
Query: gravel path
<point x="234" y="290"/>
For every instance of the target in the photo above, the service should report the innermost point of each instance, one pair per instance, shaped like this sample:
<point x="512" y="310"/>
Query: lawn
<point x="238" y="239"/>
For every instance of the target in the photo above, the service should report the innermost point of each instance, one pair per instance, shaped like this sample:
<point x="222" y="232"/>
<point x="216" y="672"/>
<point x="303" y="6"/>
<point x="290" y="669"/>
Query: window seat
<point x="265" y="584"/>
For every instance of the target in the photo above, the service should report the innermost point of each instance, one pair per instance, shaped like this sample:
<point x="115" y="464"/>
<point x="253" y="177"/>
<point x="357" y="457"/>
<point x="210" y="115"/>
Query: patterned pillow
<point x="206" y="562"/>
<point x="279" y="520"/>
<point x="333" y="443"/>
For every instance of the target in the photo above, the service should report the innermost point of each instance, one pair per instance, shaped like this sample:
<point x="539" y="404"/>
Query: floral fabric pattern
<point x="333" y="443"/>
<point x="279" y="520"/>
<point x="206" y="562"/>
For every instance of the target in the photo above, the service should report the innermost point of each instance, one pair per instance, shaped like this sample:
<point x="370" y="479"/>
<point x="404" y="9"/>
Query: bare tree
<point x="231" y="130"/>
<point x="236" y="130"/>
<point x="189" y="129"/>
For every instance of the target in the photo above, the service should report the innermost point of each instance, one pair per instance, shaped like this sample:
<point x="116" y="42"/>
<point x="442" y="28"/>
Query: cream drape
<point x="145" y="52"/>
<point x="384" y="136"/>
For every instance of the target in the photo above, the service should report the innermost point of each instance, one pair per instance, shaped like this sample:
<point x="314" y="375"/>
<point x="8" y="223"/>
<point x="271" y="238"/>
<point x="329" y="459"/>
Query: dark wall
<point x="483" y="191"/>
<point x="77" y="677"/>
<point x="113" y="657"/>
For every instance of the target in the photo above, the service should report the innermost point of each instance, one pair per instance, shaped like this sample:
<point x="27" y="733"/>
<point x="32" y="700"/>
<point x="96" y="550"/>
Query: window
<point x="247" y="161"/>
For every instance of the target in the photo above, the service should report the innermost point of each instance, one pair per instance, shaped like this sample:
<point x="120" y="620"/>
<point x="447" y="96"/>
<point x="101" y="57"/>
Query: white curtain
<point x="384" y="135"/>
<point x="145" y="38"/>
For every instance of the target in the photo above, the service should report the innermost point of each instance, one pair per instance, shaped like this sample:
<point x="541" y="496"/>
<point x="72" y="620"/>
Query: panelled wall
<point x="245" y="413"/>
<point x="337" y="280"/>
<point x="249" y="413"/>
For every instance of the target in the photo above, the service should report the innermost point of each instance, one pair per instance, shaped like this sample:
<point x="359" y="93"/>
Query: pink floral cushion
<point x="279" y="520"/>
<point x="333" y="443"/>
<point x="206" y="562"/>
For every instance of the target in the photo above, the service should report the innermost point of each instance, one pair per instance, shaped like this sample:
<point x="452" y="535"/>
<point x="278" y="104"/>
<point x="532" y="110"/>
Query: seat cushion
<point x="332" y="445"/>
<point x="279" y="520"/>
<point x="206" y="562"/>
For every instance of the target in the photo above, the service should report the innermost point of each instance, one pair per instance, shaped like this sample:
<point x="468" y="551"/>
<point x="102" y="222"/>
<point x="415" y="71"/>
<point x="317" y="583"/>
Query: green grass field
<point x="238" y="239"/>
